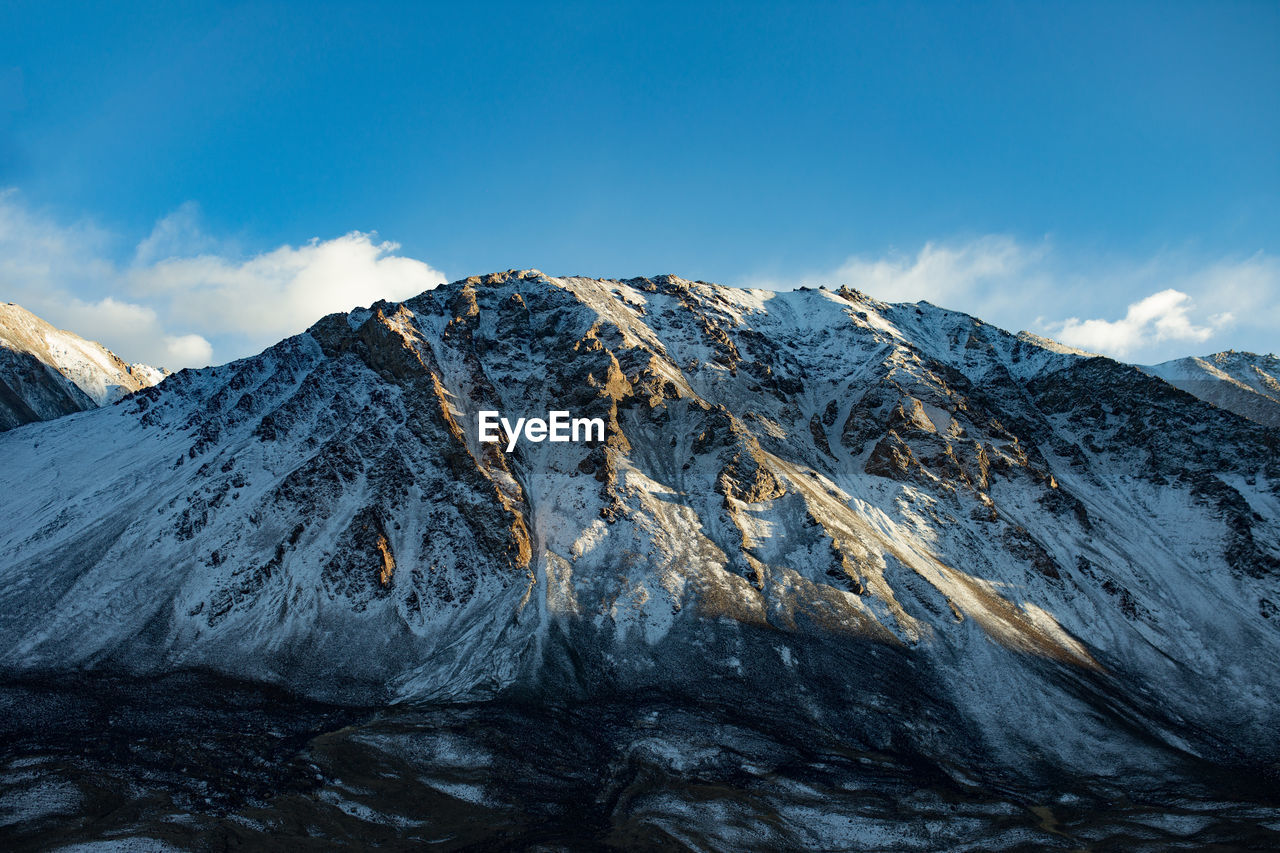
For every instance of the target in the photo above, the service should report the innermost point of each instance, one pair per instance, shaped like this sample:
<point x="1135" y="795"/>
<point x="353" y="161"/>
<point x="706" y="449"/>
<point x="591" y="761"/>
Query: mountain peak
<point x="46" y="372"/>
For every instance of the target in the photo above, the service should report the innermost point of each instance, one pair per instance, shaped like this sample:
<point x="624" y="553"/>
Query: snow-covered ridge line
<point x="47" y="372"/>
<point x="1242" y="382"/>
<point x="895" y="518"/>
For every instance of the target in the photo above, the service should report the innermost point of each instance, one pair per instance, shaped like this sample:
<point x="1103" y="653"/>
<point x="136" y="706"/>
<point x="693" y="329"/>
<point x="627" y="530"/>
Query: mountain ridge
<point x="1242" y="382"/>
<point x="46" y="372"/>
<point x="895" y="518"/>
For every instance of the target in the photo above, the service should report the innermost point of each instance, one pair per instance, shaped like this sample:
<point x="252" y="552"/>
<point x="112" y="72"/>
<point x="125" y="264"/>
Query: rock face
<point x="1241" y="382"/>
<point x="46" y="372"/>
<point x="927" y="533"/>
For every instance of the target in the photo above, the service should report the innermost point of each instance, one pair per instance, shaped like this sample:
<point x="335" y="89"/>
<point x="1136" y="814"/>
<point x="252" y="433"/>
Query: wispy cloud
<point x="184" y="299"/>
<point x="1148" y="309"/>
<point x="937" y="272"/>
<point x="941" y="272"/>
<point x="177" y="235"/>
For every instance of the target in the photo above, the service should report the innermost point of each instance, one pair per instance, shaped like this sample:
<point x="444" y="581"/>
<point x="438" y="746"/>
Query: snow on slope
<point x="894" y="518"/>
<point x="1241" y="382"/>
<point x="80" y="368"/>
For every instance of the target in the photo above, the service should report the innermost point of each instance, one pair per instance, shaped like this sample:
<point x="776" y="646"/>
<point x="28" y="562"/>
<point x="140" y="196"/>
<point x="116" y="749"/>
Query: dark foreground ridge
<point x="195" y="762"/>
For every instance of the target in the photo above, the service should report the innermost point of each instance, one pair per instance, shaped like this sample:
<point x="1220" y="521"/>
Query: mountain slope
<point x="925" y="532"/>
<point x="46" y="372"/>
<point x="1242" y="382"/>
<point x="32" y="391"/>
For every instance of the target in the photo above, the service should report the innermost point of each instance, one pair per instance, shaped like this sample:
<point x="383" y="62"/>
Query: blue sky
<point x="1053" y="166"/>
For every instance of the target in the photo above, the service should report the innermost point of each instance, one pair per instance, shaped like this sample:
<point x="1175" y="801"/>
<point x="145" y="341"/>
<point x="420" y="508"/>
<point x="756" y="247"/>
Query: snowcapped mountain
<point x="46" y="372"/>
<point x="1242" y="382"/>
<point x="923" y="531"/>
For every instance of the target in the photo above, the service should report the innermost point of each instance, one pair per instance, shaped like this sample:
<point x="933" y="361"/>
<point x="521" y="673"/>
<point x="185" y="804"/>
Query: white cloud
<point x="181" y="298"/>
<point x="132" y="331"/>
<point x="175" y="235"/>
<point x="37" y="254"/>
<point x="283" y="291"/>
<point x="1163" y="316"/>
<point x="185" y="299"/>
<point x="188" y="349"/>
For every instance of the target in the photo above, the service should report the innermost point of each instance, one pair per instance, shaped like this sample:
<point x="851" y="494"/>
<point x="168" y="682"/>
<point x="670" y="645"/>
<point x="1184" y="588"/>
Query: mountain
<point x="894" y="521"/>
<point x="1242" y="382"/>
<point x="46" y="372"/>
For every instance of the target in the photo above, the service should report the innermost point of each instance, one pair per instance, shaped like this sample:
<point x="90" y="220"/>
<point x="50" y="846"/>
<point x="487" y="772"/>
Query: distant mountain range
<point x="46" y="372"/>
<point x="1241" y="382"/>
<point x="927" y="533"/>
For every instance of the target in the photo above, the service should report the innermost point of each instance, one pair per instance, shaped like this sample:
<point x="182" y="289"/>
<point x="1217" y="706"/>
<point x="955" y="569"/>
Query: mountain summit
<point x="899" y="520"/>
<point x="46" y="372"/>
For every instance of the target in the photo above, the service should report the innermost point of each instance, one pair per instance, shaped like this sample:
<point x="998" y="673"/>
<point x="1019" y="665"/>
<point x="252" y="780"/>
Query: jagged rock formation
<point x="929" y="534"/>
<point x="1241" y="382"/>
<point x="46" y="372"/>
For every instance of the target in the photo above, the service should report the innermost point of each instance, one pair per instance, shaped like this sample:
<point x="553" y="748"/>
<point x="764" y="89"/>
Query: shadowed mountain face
<point x="32" y="391"/>
<point x="892" y="522"/>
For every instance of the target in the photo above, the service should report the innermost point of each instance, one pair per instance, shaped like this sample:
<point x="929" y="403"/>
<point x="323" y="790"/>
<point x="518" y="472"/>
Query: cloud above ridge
<point x="184" y="299"/>
<point x="179" y="297"/>
<point x="1163" y="316"/>
<point x="282" y="291"/>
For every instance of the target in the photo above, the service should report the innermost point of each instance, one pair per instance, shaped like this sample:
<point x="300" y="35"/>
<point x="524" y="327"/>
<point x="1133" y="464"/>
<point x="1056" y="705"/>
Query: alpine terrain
<point x="1242" y="382"/>
<point x="46" y="372"/>
<point x="842" y="574"/>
